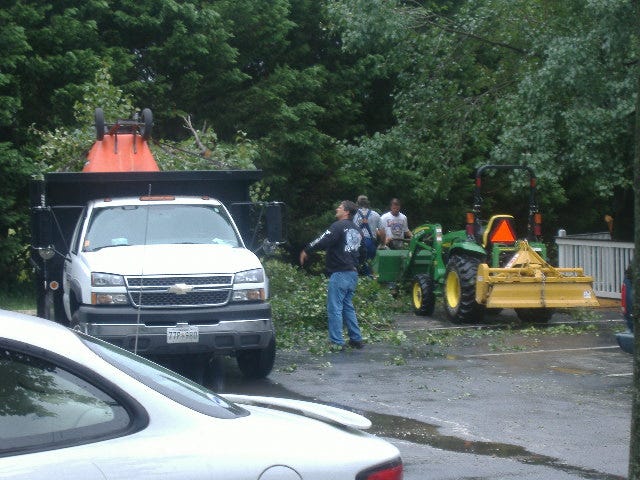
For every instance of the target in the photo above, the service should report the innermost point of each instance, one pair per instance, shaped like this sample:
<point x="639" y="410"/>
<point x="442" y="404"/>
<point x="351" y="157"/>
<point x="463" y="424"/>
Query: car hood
<point x="171" y="259"/>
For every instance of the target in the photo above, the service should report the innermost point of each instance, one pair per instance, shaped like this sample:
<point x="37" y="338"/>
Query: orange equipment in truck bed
<point x="126" y="152"/>
<point x="122" y="146"/>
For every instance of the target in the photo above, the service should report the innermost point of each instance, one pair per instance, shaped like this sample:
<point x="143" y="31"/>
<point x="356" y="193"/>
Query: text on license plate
<point x="188" y="334"/>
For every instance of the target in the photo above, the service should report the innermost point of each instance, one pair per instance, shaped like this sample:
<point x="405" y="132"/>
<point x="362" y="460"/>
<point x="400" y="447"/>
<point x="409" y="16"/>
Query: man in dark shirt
<point x="342" y="243"/>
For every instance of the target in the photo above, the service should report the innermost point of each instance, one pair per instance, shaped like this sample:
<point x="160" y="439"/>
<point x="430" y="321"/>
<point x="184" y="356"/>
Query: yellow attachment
<point x="528" y="281"/>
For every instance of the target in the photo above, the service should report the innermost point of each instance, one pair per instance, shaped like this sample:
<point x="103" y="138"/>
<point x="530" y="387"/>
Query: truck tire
<point x="257" y="363"/>
<point x="99" y="119"/>
<point x="459" y="290"/>
<point x="422" y="294"/>
<point x="534" y="315"/>
<point x="75" y="322"/>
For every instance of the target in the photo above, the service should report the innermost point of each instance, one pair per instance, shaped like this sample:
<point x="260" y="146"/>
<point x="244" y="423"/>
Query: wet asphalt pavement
<point x="485" y="404"/>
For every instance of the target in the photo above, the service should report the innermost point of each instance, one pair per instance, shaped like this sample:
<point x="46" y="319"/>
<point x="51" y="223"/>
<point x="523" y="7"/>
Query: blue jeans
<point x="342" y="286"/>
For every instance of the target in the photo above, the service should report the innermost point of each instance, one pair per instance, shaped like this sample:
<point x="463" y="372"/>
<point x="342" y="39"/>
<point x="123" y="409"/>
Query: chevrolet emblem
<point x="180" y="289"/>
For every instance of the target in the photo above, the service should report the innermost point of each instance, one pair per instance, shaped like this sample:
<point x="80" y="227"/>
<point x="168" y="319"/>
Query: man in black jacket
<point x="342" y="243"/>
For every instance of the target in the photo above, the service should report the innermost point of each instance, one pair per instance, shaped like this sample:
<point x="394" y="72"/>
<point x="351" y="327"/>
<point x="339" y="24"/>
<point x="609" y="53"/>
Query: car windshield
<point x="164" y="381"/>
<point x="159" y="224"/>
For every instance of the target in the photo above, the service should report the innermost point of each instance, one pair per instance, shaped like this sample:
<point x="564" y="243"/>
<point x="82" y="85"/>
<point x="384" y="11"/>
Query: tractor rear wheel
<point x="460" y="289"/>
<point x="422" y="294"/>
<point x="534" y="315"/>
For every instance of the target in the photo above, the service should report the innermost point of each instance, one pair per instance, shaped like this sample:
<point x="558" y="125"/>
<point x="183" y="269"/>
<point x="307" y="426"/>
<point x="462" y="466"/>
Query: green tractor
<point x="485" y="266"/>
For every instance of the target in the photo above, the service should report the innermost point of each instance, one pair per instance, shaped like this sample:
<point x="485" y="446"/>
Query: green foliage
<point x="337" y="98"/>
<point x="14" y="214"/>
<point x="188" y="155"/>
<point x="572" y="115"/>
<point x="14" y="47"/>
<point x="551" y="85"/>
<point x="19" y="296"/>
<point x="298" y="301"/>
<point x="65" y="148"/>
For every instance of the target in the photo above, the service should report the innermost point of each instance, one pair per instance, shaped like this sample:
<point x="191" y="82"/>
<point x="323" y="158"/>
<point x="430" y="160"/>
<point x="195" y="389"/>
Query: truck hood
<point x="171" y="259"/>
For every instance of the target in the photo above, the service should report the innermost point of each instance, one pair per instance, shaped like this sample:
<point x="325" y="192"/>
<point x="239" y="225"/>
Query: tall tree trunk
<point x="634" y="446"/>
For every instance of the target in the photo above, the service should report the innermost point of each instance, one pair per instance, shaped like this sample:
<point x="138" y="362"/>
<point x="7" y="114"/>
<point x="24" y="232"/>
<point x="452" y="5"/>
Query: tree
<point x="549" y="84"/>
<point x="13" y="43"/>
<point x="571" y="117"/>
<point x="634" y="447"/>
<point x="14" y="216"/>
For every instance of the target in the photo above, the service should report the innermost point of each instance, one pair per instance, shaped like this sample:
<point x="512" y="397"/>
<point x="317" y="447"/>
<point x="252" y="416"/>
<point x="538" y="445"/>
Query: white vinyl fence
<point x="600" y="257"/>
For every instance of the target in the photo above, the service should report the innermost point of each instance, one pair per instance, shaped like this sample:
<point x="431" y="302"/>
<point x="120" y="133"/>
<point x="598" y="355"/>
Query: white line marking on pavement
<point x="538" y="351"/>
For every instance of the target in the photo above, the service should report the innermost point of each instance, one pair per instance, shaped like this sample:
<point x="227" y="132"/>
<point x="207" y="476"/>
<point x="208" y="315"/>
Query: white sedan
<point x="75" y="407"/>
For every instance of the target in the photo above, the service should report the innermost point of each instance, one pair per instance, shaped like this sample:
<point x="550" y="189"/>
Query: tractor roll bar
<point x="477" y="198"/>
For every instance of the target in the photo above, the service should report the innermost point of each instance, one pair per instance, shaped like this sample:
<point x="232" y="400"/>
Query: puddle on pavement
<point x="410" y="430"/>
<point x="414" y="431"/>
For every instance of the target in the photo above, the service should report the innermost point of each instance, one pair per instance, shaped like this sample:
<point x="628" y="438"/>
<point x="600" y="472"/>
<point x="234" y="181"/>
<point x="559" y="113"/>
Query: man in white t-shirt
<point x="394" y="227"/>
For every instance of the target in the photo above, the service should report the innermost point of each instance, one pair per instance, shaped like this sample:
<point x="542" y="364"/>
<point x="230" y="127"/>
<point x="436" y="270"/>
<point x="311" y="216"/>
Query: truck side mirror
<point x="274" y="222"/>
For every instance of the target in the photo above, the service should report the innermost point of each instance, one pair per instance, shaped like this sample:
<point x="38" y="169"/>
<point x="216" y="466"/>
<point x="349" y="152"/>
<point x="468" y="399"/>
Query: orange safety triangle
<point x="119" y="153"/>
<point x="503" y="233"/>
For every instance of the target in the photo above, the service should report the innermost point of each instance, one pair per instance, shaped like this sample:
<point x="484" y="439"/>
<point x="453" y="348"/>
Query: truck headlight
<point x="114" y="297"/>
<point x="109" y="298"/>
<point x="249" y="294"/>
<point x="106" y="280"/>
<point x="250" y="276"/>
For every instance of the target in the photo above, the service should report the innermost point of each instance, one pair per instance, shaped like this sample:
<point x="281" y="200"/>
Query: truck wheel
<point x="99" y="116"/>
<point x="75" y="322"/>
<point x="460" y="290"/>
<point x="147" y="120"/>
<point x="534" y="315"/>
<point x="257" y="363"/>
<point x="49" y="311"/>
<point x="422" y="294"/>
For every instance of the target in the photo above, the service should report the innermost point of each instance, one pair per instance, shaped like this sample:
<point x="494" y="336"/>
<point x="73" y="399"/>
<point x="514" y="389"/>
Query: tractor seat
<point x="499" y="229"/>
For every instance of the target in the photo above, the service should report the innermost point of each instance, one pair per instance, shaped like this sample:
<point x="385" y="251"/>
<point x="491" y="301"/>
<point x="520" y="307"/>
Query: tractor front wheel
<point x="460" y="289"/>
<point x="422" y="294"/>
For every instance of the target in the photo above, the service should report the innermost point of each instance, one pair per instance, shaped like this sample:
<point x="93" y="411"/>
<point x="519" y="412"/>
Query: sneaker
<point x="357" y="344"/>
<point x="337" y="347"/>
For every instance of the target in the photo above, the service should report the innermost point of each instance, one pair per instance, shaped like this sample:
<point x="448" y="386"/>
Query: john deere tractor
<point x="485" y="266"/>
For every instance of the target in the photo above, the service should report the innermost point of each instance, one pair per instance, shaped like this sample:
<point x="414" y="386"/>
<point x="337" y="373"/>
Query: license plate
<point x="189" y="334"/>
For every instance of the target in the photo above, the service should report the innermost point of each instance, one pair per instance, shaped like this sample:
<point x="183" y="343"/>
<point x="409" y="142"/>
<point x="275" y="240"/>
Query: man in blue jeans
<point x="342" y="243"/>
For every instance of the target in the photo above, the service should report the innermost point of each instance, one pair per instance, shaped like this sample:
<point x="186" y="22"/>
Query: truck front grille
<point x="179" y="291"/>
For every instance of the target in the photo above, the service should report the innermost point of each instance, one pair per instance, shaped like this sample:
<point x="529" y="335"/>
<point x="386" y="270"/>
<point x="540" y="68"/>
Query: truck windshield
<point x="159" y="224"/>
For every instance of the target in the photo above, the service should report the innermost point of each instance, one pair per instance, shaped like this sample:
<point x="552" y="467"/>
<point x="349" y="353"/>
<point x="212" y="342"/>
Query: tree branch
<point x="204" y="151"/>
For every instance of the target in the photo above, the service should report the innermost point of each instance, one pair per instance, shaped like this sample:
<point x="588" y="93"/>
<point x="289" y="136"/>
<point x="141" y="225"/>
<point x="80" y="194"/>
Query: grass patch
<point x="19" y="297"/>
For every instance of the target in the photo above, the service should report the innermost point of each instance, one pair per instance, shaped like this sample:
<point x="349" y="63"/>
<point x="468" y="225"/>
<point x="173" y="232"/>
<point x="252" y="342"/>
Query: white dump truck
<point x="154" y="261"/>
